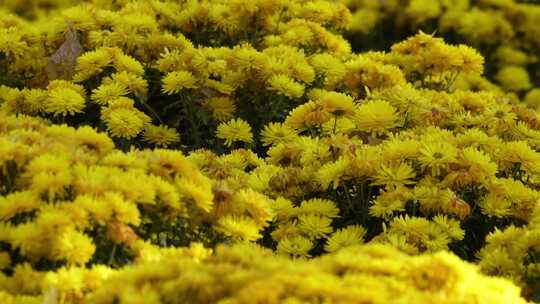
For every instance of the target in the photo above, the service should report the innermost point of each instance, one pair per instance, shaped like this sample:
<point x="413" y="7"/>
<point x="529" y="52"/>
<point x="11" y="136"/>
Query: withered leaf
<point x="61" y="64"/>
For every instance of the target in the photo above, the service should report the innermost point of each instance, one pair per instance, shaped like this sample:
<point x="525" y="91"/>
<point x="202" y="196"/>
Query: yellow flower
<point x="35" y="100"/>
<point x="315" y="226"/>
<point x="175" y="82"/>
<point x="132" y="82"/>
<point x="332" y="173"/>
<point x="285" y="85"/>
<point x="106" y="92"/>
<point x="160" y="136"/>
<point x="532" y="99"/>
<point x="365" y="72"/>
<point x="126" y="63"/>
<point x="495" y="205"/>
<point x="394" y="175"/>
<point x="11" y="42"/>
<point x="514" y="78"/>
<point x="168" y="194"/>
<point x="506" y="55"/>
<point x="257" y="205"/>
<point x="306" y="116"/>
<point x="91" y="140"/>
<point x="376" y="116"/>
<point x="297" y="246"/>
<point x="332" y="67"/>
<point x="337" y="104"/>
<point x="422" y="10"/>
<point x="124" y="123"/>
<point x="345" y="237"/>
<point x="73" y="246"/>
<point x="275" y="133"/>
<point x="450" y="226"/>
<point x="222" y="108"/>
<point x="283" y="209"/>
<point x="64" y="101"/>
<point x="437" y="156"/>
<point x="390" y="201"/>
<point x="318" y="206"/>
<point x="199" y="193"/>
<point x="480" y="168"/>
<point x="17" y="202"/>
<point x="235" y="130"/>
<point x="123" y="210"/>
<point x="243" y="228"/>
<point x="98" y="209"/>
<point x="398" y="150"/>
<point x="473" y="62"/>
<point x="421" y="233"/>
<point x="285" y="230"/>
<point x="92" y="63"/>
<point x="49" y="175"/>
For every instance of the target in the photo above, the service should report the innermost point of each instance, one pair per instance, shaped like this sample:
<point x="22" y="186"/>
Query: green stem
<point x="111" y="257"/>
<point x="335" y="125"/>
<point x="151" y="110"/>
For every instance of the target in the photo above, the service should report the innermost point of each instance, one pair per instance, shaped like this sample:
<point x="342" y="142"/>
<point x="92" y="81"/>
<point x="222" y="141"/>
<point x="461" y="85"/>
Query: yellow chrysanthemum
<point x="91" y="63"/>
<point x="337" y="104"/>
<point x="318" y="206"/>
<point x="297" y="246"/>
<point x="285" y="85"/>
<point x="132" y="82"/>
<point x="348" y="236"/>
<point x="106" y="92"/>
<point x="315" y="226"/>
<point x="437" y="156"/>
<point x="394" y="175"/>
<point x="532" y="99"/>
<point x="160" y="136"/>
<point x="514" y="78"/>
<point x="275" y="133"/>
<point x="73" y="246"/>
<point x="124" y="123"/>
<point x="242" y="228"/>
<point x="123" y="62"/>
<point x="235" y="130"/>
<point x="376" y="116"/>
<point x="222" y="108"/>
<point x="175" y="82"/>
<point x="64" y="101"/>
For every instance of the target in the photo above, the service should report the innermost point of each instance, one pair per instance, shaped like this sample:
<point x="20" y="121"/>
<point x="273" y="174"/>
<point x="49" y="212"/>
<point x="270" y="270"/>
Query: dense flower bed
<point x="268" y="151"/>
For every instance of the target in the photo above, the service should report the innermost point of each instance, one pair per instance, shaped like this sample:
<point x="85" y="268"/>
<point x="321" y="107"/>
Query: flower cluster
<point x="505" y="31"/>
<point x="69" y="198"/>
<point x="247" y="152"/>
<point x="250" y="274"/>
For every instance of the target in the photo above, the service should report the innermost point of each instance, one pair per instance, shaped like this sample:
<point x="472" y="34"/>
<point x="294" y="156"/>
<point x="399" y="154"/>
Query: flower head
<point x="376" y="116"/>
<point x="160" y="136"/>
<point x="235" y="130"/>
<point x="175" y="82"/>
<point x="64" y="101"/>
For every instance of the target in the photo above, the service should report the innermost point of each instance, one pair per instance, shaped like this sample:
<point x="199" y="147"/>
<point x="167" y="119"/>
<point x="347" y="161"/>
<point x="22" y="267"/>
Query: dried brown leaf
<point x="62" y="63"/>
